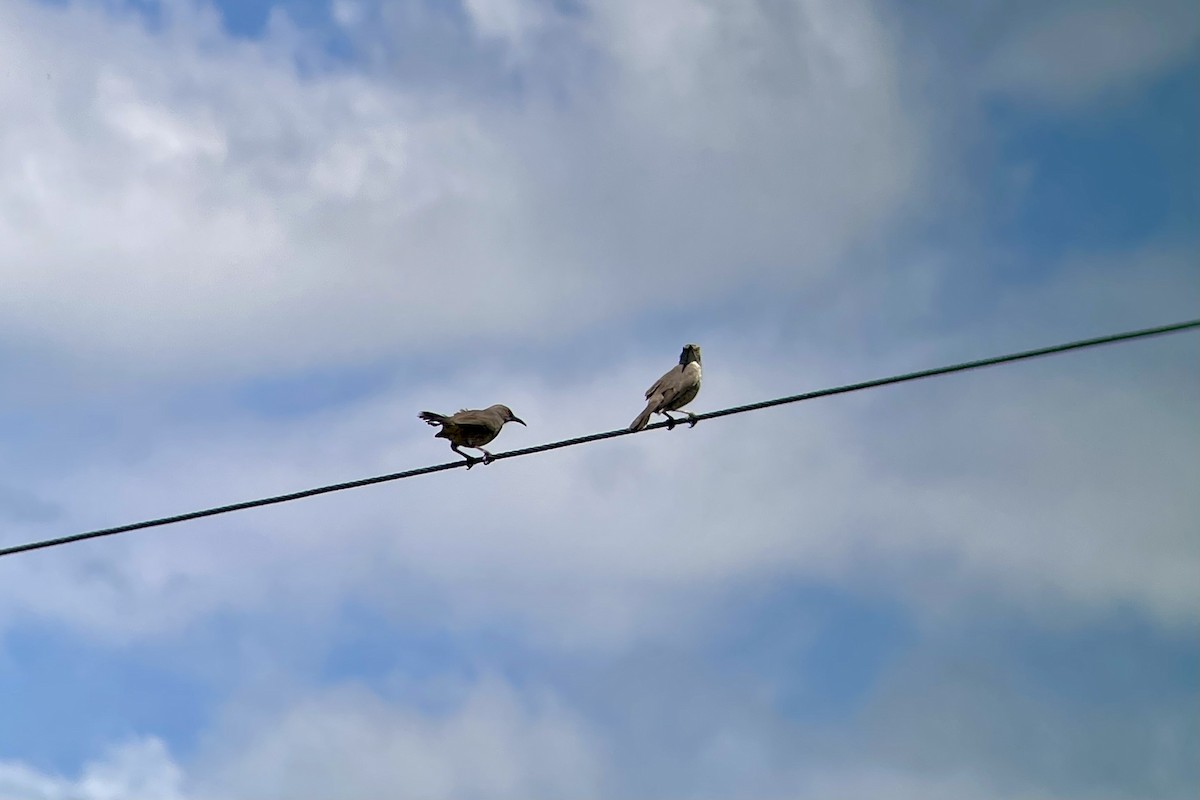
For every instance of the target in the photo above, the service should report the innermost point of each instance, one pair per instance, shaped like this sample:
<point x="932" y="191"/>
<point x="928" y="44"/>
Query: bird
<point x="472" y="428"/>
<point x="674" y="390"/>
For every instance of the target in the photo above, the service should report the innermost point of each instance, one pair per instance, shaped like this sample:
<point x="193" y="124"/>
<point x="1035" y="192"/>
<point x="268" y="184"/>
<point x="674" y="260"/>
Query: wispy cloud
<point x="1073" y="54"/>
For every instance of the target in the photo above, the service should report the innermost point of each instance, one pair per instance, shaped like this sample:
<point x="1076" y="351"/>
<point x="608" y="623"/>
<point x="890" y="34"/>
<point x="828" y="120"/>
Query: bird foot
<point x="692" y="420"/>
<point x="473" y="461"/>
<point x="670" y="423"/>
<point x="488" y="458"/>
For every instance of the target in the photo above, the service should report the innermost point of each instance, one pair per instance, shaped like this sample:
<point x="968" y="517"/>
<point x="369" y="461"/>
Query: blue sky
<point x="244" y="243"/>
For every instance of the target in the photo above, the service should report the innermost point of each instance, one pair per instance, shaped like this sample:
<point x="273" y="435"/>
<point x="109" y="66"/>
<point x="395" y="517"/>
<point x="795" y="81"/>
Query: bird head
<point x="691" y="352"/>
<point x="507" y="415"/>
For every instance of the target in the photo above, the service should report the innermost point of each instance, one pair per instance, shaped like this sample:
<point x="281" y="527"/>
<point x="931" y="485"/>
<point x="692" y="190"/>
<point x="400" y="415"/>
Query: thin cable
<point x="595" y="437"/>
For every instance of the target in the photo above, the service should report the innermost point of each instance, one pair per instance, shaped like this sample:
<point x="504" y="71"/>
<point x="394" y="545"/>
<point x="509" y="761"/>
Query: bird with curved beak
<point x="471" y="428"/>
<point x="674" y="390"/>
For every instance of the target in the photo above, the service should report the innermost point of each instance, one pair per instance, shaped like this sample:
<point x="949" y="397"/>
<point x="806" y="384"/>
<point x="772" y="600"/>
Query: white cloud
<point x="137" y="770"/>
<point x="163" y="135"/>
<point x="493" y="742"/>
<point x="348" y="13"/>
<point x="510" y="20"/>
<point x="182" y="202"/>
<point x="350" y="742"/>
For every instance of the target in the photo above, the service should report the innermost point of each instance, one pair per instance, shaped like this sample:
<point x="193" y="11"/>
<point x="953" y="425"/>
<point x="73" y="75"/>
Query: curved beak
<point x="518" y="419"/>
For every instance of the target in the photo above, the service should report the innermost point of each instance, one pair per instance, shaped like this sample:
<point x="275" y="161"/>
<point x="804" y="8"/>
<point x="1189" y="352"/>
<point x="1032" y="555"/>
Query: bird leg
<point x="471" y="460"/>
<point x="670" y="420"/>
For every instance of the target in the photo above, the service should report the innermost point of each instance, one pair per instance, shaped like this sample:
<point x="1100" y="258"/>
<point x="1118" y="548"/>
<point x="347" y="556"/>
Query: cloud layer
<point x="239" y="266"/>
<point x="176" y="198"/>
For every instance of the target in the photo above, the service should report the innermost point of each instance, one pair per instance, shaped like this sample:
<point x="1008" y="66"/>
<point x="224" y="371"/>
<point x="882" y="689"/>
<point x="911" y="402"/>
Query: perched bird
<point x="471" y="429"/>
<point x="673" y="391"/>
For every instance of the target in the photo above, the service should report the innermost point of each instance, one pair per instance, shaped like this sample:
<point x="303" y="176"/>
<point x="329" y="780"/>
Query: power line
<point x="595" y="437"/>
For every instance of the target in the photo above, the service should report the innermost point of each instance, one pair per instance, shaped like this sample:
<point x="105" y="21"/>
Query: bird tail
<point x="643" y="418"/>
<point x="432" y="418"/>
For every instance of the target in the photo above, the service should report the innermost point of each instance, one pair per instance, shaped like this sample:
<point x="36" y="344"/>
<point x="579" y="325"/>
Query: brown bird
<point x="673" y="390"/>
<point x="471" y="429"/>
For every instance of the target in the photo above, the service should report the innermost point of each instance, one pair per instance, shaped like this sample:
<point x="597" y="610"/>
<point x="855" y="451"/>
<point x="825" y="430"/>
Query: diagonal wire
<point x="595" y="437"/>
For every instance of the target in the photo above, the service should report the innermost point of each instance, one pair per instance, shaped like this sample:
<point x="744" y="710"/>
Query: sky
<point x="243" y="243"/>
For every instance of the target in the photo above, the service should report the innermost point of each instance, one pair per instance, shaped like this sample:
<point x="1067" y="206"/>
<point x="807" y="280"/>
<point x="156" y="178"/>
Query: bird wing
<point x="484" y="420"/>
<point x="663" y="385"/>
<point x="681" y="389"/>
